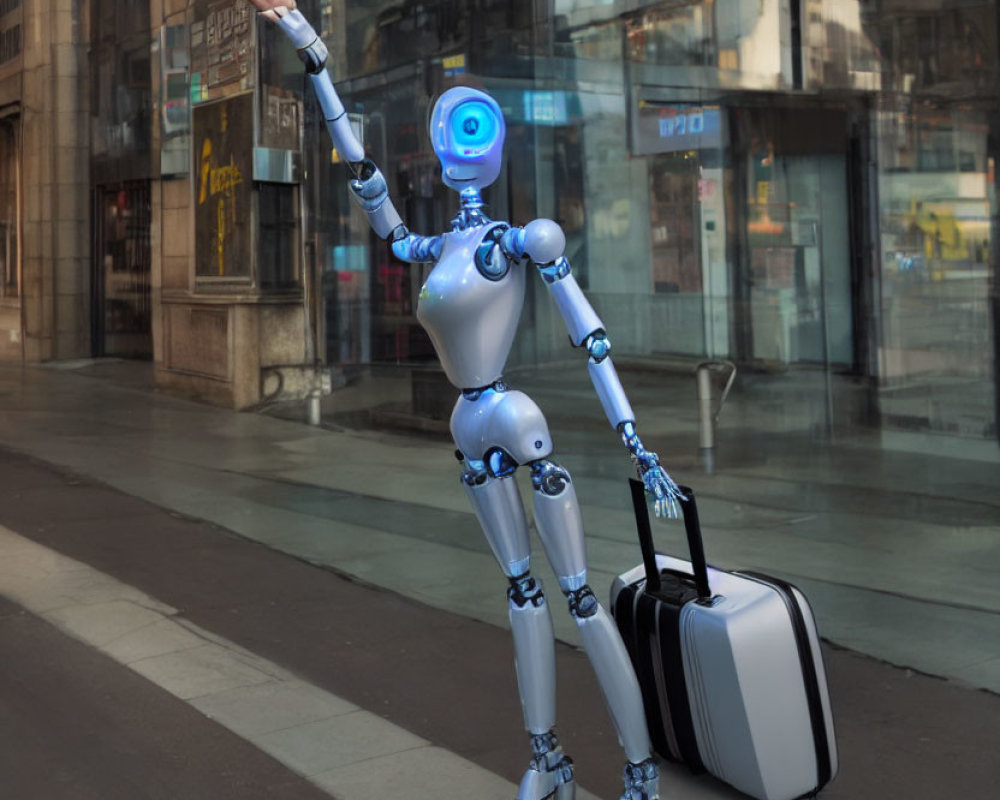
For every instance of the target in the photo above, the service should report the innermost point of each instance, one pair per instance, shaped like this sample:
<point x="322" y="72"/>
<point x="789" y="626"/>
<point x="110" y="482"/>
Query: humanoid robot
<point x="470" y="307"/>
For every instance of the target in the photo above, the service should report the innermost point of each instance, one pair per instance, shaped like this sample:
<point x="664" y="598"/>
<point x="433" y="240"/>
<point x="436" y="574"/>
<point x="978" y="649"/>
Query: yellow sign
<point x="216" y="179"/>
<point x="763" y="192"/>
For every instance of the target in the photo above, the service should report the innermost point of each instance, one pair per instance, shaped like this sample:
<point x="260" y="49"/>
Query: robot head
<point x="467" y="131"/>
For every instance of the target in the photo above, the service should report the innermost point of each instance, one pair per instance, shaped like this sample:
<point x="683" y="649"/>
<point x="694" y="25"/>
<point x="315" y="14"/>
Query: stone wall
<point x="55" y="175"/>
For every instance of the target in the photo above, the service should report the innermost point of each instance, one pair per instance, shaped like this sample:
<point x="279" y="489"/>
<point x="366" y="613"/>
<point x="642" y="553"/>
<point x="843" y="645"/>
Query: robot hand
<point x="659" y="485"/>
<point x="273" y="9"/>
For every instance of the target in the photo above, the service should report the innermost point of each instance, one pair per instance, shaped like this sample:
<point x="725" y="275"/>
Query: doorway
<point x="797" y="265"/>
<point x="122" y="300"/>
<point x="11" y="334"/>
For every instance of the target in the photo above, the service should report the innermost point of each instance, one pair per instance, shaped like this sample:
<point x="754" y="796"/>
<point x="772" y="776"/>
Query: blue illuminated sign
<point x="693" y="121"/>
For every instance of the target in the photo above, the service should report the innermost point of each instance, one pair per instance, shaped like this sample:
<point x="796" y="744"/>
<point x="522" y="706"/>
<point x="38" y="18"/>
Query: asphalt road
<point x="75" y="725"/>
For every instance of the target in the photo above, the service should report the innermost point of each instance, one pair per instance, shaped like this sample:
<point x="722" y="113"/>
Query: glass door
<point x="797" y="240"/>
<point x="800" y="261"/>
<point x="122" y="303"/>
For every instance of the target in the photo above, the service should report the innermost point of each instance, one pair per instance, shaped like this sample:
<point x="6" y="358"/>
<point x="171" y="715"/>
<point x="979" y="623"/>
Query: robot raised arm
<point x="368" y="186"/>
<point x="544" y="243"/>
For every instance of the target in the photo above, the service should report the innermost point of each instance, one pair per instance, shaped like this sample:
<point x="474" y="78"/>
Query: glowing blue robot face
<point x="467" y="131"/>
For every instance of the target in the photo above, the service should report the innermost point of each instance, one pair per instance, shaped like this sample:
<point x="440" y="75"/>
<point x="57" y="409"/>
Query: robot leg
<point x="501" y="515"/>
<point x="557" y="517"/>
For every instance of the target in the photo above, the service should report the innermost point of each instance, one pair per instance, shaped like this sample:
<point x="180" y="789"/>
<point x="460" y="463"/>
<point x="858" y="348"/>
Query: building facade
<point x="804" y="187"/>
<point x="44" y="181"/>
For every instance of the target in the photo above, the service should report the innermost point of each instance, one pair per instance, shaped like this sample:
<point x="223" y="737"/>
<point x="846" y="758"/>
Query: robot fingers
<point x="311" y="50"/>
<point x="273" y="9"/>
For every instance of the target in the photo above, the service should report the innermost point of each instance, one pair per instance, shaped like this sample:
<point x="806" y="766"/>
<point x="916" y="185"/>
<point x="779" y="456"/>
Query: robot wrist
<point x="313" y="56"/>
<point x="643" y="458"/>
<point x="296" y="27"/>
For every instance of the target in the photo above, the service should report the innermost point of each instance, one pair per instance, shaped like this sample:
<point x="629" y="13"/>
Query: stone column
<point x="55" y="129"/>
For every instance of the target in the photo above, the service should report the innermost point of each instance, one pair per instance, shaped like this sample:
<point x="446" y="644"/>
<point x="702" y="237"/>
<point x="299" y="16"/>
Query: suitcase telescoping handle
<point x="691" y="526"/>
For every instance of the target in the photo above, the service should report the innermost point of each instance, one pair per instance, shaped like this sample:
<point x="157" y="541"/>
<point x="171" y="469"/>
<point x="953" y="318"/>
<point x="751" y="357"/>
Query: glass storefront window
<point x="725" y="173"/>
<point x="937" y="202"/>
<point x="278" y="215"/>
<point x="681" y="35"/>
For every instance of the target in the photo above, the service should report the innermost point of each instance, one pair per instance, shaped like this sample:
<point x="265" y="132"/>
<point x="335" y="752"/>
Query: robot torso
<point x="471" y="303"/>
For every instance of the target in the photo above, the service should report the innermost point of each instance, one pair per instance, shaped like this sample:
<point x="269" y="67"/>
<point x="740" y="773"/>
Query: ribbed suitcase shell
<point x="745" y="684"/>
<point x="753" y="672"/>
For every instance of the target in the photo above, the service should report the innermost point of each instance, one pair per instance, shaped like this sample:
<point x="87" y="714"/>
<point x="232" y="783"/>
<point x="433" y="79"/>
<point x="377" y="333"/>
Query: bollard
<point x="706" y="416"/>
<point x="313" y="406"/>
<point x="706" y="426"/>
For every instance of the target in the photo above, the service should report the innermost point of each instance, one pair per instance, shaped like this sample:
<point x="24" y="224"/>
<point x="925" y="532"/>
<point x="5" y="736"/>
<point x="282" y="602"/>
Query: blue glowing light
<point x="473" y="125"/>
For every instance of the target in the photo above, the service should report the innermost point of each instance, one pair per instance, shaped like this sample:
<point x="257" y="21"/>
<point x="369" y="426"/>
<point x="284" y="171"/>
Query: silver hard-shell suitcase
<point x="730" y="668"/>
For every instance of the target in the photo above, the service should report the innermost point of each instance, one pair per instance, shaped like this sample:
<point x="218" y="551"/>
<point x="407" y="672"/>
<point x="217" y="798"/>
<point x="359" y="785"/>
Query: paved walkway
<point x="897" y="551"/>
<point x="130" y="618"/>
<point x="892" y="572"/>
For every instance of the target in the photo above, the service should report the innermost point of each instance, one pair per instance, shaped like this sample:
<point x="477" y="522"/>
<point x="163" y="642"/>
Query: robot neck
<point x="471" y="214"/>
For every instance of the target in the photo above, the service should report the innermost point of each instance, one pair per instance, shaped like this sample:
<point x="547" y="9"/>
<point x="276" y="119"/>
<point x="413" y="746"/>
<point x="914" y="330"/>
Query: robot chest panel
<point x="470" y="305"/>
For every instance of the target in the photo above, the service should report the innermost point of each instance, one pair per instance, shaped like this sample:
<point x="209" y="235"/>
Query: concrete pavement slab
<point x="156" y="639"/>
<point x="274" y="706"/>
<point x="351" y="738"/>
<point x="199" y="671"/>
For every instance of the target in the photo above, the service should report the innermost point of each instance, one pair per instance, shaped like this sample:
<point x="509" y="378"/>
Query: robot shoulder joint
<point x="544" y="241"/>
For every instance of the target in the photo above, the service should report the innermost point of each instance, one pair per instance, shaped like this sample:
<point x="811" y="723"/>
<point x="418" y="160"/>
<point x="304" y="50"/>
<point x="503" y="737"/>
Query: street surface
<point x="77" y="725"/>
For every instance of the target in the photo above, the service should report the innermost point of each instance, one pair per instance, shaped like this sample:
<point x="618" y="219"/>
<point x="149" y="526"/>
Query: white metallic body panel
<point x="535" y="664"/>
<point x="508" y="420"/>
<point x="609" y="389"/>
<point x="501" y="515"/>
<point x="579" y="315"/>
<point x="560" y="527"/>
<point x="471" y="319"/>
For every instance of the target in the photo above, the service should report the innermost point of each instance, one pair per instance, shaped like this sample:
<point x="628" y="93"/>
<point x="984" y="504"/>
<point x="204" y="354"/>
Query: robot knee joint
<point x="582" y="602"/>
<point x="524" y="590"/>
<point x="475" y="473"/>
<point x="548" y="477"/>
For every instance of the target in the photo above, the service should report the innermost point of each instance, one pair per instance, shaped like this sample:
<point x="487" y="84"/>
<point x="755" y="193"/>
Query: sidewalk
<point x="382" y="507"/>
<point x="366" y="693"/>
<point x="906" y="576"/>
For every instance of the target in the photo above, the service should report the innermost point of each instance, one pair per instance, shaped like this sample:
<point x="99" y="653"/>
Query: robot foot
<point x="550" y="774"/>
<point x="642" y="781"/>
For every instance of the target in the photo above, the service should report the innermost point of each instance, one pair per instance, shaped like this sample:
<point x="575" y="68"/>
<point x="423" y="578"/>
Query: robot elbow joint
<point x="598" y="345"/>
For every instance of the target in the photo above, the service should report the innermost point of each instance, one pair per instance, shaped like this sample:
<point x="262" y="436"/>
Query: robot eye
<point x="473" y="125"/>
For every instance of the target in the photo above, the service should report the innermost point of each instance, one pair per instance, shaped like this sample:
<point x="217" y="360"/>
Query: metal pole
<point x="313" y="406"/>
<point x="706" y="426"/>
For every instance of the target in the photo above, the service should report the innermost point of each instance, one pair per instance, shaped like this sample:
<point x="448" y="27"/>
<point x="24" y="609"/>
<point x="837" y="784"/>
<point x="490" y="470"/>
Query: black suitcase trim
<point x="821" y="742"/>
<point x="668" y="714"/>
<point x="656" y="610"/>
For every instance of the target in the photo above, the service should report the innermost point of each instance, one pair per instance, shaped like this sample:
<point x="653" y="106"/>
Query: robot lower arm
<point x="543" y="242"/>
<point x="368" y="186"/>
